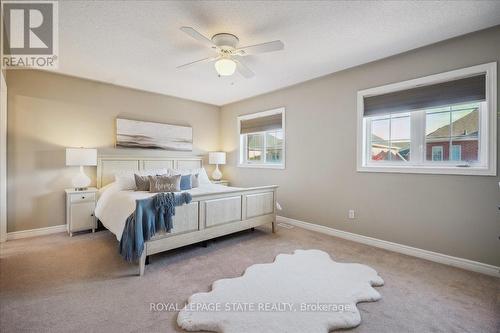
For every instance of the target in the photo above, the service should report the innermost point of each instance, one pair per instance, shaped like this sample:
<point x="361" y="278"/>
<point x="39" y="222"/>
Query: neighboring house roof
<point x="466" y="126"/>
<point x="399" y="150"/>
<point x="384" y="155"/>
<point x="381" y="142"/>
<point x="377" y="138"/>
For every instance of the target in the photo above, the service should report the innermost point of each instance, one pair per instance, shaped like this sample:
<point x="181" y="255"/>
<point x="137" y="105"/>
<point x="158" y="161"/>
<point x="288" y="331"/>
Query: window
<point x="255" y="147"/>
<point x="444" y="123"/>
<point x="453" y="126"/>
<point x="262" y="139"/>
<point x="390" y="138"/>
<point x="456" y="152"/>
<point x="437" y="153"/>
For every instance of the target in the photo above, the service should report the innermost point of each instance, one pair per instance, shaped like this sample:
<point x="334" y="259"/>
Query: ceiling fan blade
<point x="243" y="69"/>
<point x="189" y="64"/>
<point x="199" y="37"/>
<point x="261" y="48"/>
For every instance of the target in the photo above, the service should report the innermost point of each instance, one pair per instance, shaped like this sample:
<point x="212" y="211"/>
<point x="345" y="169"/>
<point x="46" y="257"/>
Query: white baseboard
<point x="36" y="232"/>
<point x="466" y="264"/>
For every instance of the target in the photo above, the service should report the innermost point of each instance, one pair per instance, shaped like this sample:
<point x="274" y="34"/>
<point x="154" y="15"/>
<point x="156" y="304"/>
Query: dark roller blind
<point x="470" y="89"/>
<point x="261" y="124"/>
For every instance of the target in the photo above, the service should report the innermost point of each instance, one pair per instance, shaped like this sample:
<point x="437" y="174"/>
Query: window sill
<point x="435" y="170"/>
<point x="262" y="166"/>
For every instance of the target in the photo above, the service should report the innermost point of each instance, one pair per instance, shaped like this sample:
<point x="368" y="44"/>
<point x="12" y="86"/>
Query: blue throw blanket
<point x="151" y="215"/>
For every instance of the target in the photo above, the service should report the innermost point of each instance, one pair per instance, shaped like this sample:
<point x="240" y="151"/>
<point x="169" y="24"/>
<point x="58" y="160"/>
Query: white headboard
<point x="107" y="166"/>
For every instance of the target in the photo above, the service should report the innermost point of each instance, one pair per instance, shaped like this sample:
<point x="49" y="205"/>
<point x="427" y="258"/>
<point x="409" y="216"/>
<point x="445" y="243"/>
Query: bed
<point x="215" y="210"/>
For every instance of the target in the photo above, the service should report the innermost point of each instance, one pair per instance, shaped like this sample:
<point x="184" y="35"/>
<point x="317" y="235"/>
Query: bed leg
<point x="142" y="263"/>
<point x="274" y="226"/>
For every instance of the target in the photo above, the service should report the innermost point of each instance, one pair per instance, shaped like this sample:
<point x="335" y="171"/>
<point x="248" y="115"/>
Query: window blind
<point x="470" y="89"/>
<point x="261" y="124"/>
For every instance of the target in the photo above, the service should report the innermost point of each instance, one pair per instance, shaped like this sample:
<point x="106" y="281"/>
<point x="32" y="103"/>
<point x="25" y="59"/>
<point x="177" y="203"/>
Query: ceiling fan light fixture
<point x="226" y="46"/>
<point x="225" y="67"/>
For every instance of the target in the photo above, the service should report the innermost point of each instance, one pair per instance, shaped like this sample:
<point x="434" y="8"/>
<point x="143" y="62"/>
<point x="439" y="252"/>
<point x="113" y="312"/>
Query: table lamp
<point x="217" y="157"/>
<point x="81" y="157"/>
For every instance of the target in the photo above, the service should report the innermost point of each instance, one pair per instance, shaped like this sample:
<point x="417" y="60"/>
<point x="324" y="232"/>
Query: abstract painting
<point x="149" y="135"/>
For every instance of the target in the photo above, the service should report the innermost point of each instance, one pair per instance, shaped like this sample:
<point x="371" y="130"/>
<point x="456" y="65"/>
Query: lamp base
<point x="217" y="175"/>
<point x="81" y="181"/>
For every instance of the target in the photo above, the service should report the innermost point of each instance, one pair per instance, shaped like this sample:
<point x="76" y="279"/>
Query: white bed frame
<point x="207" y="216"/>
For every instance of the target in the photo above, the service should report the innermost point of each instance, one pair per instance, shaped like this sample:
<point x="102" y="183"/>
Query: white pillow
<point x="126" y="180"/>
<point x="202" y="174"/>
<point x="203" y="177"/>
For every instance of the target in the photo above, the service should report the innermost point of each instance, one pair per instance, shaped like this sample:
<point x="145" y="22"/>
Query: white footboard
<point x="214" y="215"/>
<point x="222" y="210"/>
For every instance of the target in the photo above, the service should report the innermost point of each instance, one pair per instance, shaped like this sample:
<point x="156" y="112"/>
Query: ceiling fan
<point x="228" y="58"/>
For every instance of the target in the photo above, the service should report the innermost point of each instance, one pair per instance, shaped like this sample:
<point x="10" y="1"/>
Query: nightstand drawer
<point x="83" y="197"/>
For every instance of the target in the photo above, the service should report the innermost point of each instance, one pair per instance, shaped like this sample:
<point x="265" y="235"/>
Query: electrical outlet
<point x="352" y="214"/>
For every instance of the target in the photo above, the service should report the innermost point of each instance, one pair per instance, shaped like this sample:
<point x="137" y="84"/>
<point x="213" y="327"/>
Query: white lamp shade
<point x="81" y="156"/>
<point x="217" y="157"/>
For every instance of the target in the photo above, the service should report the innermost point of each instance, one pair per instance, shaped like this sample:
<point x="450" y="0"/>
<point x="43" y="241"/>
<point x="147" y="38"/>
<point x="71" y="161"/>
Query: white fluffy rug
<point x="302" y="292"/>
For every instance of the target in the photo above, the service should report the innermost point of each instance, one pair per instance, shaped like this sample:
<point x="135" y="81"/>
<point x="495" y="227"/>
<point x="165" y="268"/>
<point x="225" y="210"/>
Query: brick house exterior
<point x="468" y="148"/>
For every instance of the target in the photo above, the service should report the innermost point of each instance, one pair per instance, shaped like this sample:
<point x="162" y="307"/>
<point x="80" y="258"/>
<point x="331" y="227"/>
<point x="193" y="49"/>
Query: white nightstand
<point x="80" y="207"/>
<point x="221" y="182"/>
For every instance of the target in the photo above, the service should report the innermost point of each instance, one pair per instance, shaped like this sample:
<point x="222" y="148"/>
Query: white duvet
<point x="115" y="205"/>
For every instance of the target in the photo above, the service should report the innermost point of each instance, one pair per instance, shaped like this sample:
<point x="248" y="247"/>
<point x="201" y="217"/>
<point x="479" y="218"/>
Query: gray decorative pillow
<point x="165" y="183"/>
<point x="141" y="183"/>
<point x="195" y="182"/>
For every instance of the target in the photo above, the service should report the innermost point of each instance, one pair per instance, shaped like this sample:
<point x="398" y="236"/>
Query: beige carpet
<point x="61" y="284"/>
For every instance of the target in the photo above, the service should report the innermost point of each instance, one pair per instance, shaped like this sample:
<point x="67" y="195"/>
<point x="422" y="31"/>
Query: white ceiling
<point x="138" y="44"/>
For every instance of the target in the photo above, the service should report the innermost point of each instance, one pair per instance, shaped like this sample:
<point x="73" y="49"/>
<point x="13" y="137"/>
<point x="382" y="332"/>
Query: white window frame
<point x="242" y="161"/>
<point x="487" y="131"/>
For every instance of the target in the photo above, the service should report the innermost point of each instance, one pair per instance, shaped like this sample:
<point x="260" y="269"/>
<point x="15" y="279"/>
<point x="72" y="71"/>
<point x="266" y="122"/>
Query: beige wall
<point x="48" y="112"/>
<point x="455" y="215"/>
